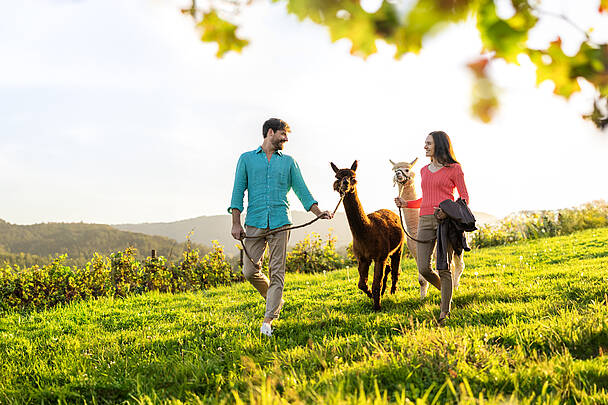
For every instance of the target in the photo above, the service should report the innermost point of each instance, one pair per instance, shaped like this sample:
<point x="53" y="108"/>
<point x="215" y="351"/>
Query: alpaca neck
<point x="357" y="220"/>
<point x="407" y="191"/>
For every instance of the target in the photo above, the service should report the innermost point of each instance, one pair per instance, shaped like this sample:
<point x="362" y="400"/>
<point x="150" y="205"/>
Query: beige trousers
<point x="271" y="290"/>
<point x="427" y="229"/>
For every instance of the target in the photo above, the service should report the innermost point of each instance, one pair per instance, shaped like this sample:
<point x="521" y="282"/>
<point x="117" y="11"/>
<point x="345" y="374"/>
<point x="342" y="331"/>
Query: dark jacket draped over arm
<point x="451" y="230"/>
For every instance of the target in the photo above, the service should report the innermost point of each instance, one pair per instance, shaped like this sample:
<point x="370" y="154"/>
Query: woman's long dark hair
<point x="444" y="154"/>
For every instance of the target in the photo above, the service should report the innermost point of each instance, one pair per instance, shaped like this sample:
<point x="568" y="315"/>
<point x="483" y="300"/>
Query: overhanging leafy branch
<point x="503" y="38"/>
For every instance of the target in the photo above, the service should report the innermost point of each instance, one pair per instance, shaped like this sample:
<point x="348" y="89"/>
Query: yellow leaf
<point x="222" y="32"/>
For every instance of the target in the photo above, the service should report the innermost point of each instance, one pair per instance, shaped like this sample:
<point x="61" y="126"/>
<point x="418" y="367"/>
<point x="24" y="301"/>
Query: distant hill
<point x="208" y="228"/>
<point x="31" y="243"/>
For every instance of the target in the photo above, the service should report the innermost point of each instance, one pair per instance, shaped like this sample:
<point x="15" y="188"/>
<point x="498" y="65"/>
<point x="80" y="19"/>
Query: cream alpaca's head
<point x="403" y="173"/>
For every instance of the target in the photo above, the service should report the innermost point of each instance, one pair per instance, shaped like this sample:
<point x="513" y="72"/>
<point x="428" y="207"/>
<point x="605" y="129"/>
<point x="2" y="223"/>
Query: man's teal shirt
<point x="267" y="184"/>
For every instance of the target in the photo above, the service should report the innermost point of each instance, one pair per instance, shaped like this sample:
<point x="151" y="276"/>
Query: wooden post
<point x="153" y="253"/>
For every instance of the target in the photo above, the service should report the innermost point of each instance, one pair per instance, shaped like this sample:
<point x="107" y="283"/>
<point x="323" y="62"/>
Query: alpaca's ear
<point x="354" y="166"/>
<point x="413" y="162"/>
<point x="333" y="166"/>
<point x="393" y="163"/>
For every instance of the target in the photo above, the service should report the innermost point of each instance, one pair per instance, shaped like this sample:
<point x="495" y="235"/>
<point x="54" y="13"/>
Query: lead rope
<point x="408" y="235"/>
<point x="256" y="265"/>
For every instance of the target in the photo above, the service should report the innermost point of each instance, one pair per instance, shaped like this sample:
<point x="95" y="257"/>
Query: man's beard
<point x="279" y="145"/>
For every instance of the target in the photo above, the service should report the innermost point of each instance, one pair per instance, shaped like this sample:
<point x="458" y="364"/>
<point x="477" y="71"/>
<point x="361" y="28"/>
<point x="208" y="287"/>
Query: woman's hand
<point x="400" y="202"/>
<point x="440" y="214"/>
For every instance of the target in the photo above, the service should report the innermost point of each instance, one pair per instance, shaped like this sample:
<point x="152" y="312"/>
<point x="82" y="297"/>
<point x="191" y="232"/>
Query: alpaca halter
<point x="340" y="182"/>
<point x="407" y="180"/>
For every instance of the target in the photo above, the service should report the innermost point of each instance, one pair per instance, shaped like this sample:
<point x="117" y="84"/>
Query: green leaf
<point x="552" y="64"/>
<point x="590" y="63"/>
<point x="427" y="17"/>
<point x="359" y="28"/>
<point x="314" y="10"/>
<point x="347" y="19"/>
<point x="507" y="38"/>
<point x="215" y="29"/>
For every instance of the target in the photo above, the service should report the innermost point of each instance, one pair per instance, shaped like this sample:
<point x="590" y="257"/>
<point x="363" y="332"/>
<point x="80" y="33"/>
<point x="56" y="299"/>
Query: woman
<point x="439" y="179"/>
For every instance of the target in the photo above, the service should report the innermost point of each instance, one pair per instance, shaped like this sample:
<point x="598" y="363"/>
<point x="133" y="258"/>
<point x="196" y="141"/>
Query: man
<point x="267" y="174"/>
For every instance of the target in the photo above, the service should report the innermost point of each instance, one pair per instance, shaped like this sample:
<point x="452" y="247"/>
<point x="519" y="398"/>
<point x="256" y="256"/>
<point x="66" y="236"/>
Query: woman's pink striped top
<point x="439" y="186"/>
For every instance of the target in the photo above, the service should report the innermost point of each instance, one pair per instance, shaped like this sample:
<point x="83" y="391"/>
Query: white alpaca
<point x="404" y="179"/>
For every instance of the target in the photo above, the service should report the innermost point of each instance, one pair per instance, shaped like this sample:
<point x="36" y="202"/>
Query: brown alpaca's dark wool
<point x="377" y="237"/>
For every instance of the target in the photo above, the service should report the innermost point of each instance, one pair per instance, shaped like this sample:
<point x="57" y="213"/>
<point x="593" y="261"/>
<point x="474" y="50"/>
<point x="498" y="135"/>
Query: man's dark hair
<point x="444" y="153"/>
<point x="276" y="125"/>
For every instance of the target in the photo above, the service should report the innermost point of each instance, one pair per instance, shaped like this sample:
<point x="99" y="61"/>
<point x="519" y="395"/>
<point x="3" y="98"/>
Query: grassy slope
<point x="530" y="320"/>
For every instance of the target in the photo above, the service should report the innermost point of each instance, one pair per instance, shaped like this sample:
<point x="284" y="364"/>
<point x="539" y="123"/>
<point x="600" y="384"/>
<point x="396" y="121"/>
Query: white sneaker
<point x="266" y="329"/>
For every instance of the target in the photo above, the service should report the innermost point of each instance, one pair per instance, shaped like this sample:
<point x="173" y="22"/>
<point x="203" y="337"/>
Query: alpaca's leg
<point x="363" y="272"/>
<point x="457" y="266"/>
<point x="411" y="220"/>
<point x="424" y="286"/>
<point x="387" y="270"/>
<point x="379" y="266"/>
<point x="395" y="263"/>
<point x="411" y="246"/>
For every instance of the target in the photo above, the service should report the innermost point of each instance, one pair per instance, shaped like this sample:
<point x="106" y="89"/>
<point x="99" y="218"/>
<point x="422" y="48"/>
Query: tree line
<point x="28" y="245"/>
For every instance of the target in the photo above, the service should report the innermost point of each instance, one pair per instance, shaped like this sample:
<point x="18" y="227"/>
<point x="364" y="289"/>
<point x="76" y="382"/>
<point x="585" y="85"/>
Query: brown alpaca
<point x="376" y="237"/>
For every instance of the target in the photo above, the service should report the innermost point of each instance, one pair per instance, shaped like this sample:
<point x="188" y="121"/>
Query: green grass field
<point x="529" y="325"/>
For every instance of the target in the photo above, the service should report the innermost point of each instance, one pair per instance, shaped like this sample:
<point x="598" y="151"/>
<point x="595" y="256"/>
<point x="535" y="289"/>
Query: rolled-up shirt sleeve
<point x="299" y="187"/>
<point x="240" y="185"/>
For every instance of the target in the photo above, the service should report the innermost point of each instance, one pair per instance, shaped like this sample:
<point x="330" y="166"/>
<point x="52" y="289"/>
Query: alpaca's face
<point x="403" y="172"/>
<point x="346" y="180"/>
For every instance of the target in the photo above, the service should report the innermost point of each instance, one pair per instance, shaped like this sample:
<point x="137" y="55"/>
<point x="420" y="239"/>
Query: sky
<point x="115" y="112"/>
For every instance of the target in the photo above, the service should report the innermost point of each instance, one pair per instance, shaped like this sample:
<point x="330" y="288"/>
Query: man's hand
<point x="325" y="215"/>
<point x="321" y="214"/>
<point x="238" y="232"/>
